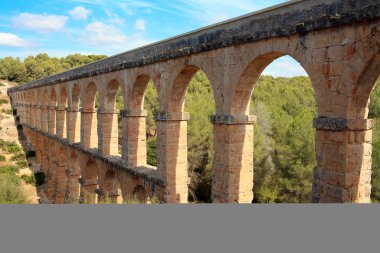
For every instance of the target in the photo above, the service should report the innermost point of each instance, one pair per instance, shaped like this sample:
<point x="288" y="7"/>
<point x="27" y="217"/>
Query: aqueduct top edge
<point x="300" y="16"/>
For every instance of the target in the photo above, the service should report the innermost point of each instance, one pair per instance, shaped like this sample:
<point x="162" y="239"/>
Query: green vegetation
<point x="22" y="164"/>
<point x="7" y="111"/>
<point x="3" y="101"/>
<point x="10" y="186"/>
<point x="2" y="158"/>
<point x="36" y="179"/>
<point x="37" y="67"/>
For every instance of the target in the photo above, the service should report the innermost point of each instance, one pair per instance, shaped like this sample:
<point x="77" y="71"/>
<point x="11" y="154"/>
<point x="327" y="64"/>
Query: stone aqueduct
<point x="336" y="41"/>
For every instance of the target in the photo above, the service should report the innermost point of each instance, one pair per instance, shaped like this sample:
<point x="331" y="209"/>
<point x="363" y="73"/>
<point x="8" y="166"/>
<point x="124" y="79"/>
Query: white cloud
<point x="40" y="22"/>
<point x="140" y="24"/>
<point x="80" y="12"/>
<point x="285" y="67"/>
<point x="11" y="40"/>
<point x="100" y="34"/>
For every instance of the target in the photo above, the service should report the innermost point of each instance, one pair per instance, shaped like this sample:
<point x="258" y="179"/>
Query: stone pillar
<point x="27" y="114"/>
<point x="44" y="118"/>
<point x="88" y="190"/>
<point x="60" y="181"/>
<point x="37" y="118"/>
<point x="232" y="168"/>
<point x="89" y="133"/>
<point x="73" y="125"/>
<point x="51" y="120"/>
<point x="134" y="137"/>
<point x="343" y="149"/>
<point x="51" y="175"/>
<point x="61" y="122"/>
<point x="72" y="187"/>
<point x="33" y="115"/>
<point x="172" y="155"/>
<point x="108" y="132"/>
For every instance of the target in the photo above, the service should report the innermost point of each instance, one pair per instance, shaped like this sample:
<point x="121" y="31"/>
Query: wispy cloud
<point x="39" y="22"/>
<point x="12" y="40"/>
<point x="140" y="24"/>
<point x="80" y="13"/>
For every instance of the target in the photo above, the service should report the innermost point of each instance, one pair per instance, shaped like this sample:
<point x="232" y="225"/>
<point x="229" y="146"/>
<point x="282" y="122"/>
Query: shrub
<point x="18" y="157"/>
<point x="22" y="164"/>
<point x="9" y="169"/>
<point x="30" y="153"/>
<point x="11" y="191"/>
<point x="3" y="101"/>
<point x="6" y="111"/>
<point x="2" y="158"/>
<point x="14" y="111"/>
<point x="13" y="148"/>
<point x="29" y="179"/>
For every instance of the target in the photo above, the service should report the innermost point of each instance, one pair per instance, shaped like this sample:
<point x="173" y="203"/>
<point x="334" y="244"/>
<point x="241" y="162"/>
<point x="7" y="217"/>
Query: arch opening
<point x="192" y="94"/>
<point x="89" y="119"/>
<point x="277" y="89"/>
<point x="140" y="130"/>
<point x="89" y="179"/>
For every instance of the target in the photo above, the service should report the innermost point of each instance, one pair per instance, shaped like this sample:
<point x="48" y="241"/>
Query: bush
<point x="13" y="148"/>
<point x="22" y="164"/>
<point x="30" y="153"/>
<point x="3" y="101"/>
<point x="14" y="111"/>
<point x="18" y="157"/>
<point x="9" y="169"/>
<point x="29" y="179"/>
<point x="2" y="158"/>
<point x="6" y="111"/>
<point x="11" y="191"/>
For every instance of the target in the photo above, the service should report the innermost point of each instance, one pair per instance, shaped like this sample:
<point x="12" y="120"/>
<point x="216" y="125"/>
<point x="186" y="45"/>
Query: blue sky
<point x="109" y="27"/>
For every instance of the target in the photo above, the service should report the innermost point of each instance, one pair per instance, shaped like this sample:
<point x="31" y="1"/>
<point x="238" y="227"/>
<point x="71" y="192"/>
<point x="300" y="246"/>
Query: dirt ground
<point x="9" y="132"/>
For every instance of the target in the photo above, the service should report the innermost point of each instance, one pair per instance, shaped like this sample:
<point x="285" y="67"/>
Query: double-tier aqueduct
<point x="337" y="42"/>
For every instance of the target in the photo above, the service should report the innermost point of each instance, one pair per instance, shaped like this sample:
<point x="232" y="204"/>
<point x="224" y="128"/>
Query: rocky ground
<point x="9" y="132"/>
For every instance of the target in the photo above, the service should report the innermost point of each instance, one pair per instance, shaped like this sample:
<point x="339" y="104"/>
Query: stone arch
<point x="140" y="194"/>
<point x="75" y="96"/>
<point x="110" y="96"/>
<point x="52" y="172"/>
<point x="135" y="122"/>
<point x="73" y="114"/>
<point x="178" y="90"/>
<point x="172" y="137"/>
<point x="365" y="84"/>
<point x="89" y="119"/>
<point x="52" y="111"/>
<point x="89" y="182"/>
<point x="243" y="89"/>
<point x="111" y="187"/>
<point x="89" y="97"/>
<point x="61" y="177"/>
<point x="73" y="175"/>
<point x="136" y="98"/>
<point x="108" y="125"/>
